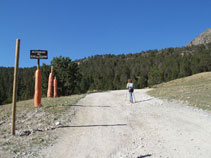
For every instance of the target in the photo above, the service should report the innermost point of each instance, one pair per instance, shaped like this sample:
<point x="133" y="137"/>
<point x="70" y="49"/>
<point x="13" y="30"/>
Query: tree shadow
<point x="91" y="106"/>
<point x="103" y="125"/>
<point x="143" y="156"/>
<point x="79" y="126"/>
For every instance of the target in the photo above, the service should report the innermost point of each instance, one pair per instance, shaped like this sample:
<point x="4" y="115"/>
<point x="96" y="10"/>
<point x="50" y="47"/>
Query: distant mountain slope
<point x="203" y="38"/>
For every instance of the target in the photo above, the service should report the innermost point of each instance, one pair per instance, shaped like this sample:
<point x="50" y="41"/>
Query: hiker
<point x="131" y="89"/>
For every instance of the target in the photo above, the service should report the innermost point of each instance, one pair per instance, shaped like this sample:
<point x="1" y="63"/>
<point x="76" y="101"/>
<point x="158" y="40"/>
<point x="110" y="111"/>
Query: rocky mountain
<point x="203" y="38"/>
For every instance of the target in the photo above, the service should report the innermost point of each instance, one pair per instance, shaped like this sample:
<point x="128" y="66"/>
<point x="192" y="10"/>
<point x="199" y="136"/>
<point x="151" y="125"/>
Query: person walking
<point x="130" y="87"/>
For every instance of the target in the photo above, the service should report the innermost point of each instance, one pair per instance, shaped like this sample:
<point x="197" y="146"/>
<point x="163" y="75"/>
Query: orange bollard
<point x="55" y="88"/>
<point x="37" y="94"/>
<point x="50" y="82"/>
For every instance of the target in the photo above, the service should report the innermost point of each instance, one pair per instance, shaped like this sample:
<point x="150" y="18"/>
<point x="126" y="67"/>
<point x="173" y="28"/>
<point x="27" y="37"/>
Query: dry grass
<point x="54" y="106"/>
<point x="195" y="90"/>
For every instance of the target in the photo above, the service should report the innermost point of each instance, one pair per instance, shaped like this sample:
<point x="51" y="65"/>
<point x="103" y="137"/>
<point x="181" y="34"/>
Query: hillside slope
<point x="195" y="90"/>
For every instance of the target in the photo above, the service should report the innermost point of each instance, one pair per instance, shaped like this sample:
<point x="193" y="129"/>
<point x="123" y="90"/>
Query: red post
<point x="50" y="82"/>
<point x="37" y="94"/>
<point x="55" y="88"/>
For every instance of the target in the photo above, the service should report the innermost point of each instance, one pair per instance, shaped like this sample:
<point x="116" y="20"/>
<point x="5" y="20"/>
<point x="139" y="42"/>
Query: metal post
<point x="15" y="86"/>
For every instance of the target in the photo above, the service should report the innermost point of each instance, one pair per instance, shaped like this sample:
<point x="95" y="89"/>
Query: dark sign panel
<point x="38" y="54"/>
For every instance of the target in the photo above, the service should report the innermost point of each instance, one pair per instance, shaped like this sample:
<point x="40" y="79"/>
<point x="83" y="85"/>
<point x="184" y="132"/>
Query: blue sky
<point x="82" y="28"/>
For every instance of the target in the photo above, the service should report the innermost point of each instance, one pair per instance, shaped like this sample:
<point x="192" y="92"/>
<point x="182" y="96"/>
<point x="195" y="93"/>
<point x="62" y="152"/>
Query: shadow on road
<point x="106" y="125"/>
<point x="90" y="106"/>
<point x="143" y="156"/>
<point x="80" y="126"/>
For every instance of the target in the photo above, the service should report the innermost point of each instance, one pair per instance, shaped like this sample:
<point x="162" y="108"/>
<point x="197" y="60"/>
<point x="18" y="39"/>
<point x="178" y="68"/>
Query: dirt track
<point x="106" y="125"/>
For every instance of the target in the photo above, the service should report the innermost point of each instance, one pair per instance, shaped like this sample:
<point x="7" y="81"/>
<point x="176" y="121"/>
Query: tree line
<point x="109" y="72"/>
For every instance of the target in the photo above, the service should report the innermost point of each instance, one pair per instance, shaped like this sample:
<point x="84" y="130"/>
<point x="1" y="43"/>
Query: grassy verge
<point x="53" y="106"/>
<point x="195" y="90"/>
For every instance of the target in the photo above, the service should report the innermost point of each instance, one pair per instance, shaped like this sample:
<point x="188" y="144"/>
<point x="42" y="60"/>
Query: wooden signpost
<point x="38" y="54"/>
<point x="15" y="86"/>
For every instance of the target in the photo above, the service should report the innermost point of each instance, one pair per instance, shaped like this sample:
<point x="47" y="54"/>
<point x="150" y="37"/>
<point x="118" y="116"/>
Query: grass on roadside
<point x="195" y="90"/>
<point x="54" y="106"/>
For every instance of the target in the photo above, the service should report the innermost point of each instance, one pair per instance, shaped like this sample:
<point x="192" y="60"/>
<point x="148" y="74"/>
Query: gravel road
<point x="106" y="125"/>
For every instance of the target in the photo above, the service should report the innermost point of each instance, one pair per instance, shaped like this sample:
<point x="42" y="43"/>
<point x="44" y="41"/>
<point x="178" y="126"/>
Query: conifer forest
<point x="109" y="72"/>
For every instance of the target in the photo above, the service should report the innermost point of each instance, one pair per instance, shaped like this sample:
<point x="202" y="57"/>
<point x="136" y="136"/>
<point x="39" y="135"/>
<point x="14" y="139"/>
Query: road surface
<point x="106" y="125"/>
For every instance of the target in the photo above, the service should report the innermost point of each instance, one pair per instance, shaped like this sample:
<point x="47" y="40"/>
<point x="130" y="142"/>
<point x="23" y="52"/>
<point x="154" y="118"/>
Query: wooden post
<point x="38" y="64"/>
<point x="51" y="69"/>
<point x="15" y="86"/>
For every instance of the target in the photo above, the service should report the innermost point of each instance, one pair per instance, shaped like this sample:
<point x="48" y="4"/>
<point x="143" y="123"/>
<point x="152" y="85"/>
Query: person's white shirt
<point x="129" y="85"/>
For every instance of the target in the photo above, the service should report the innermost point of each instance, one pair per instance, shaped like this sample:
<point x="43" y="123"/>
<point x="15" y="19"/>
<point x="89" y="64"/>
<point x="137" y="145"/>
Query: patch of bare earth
<point x="34" y="126"/>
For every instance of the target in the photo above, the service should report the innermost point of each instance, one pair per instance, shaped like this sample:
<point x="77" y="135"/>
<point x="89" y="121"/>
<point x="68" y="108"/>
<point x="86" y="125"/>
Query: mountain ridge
<point x="203" y="38"/>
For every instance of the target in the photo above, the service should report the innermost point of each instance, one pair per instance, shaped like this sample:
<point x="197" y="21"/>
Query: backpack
<point x="131" y="89"/>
